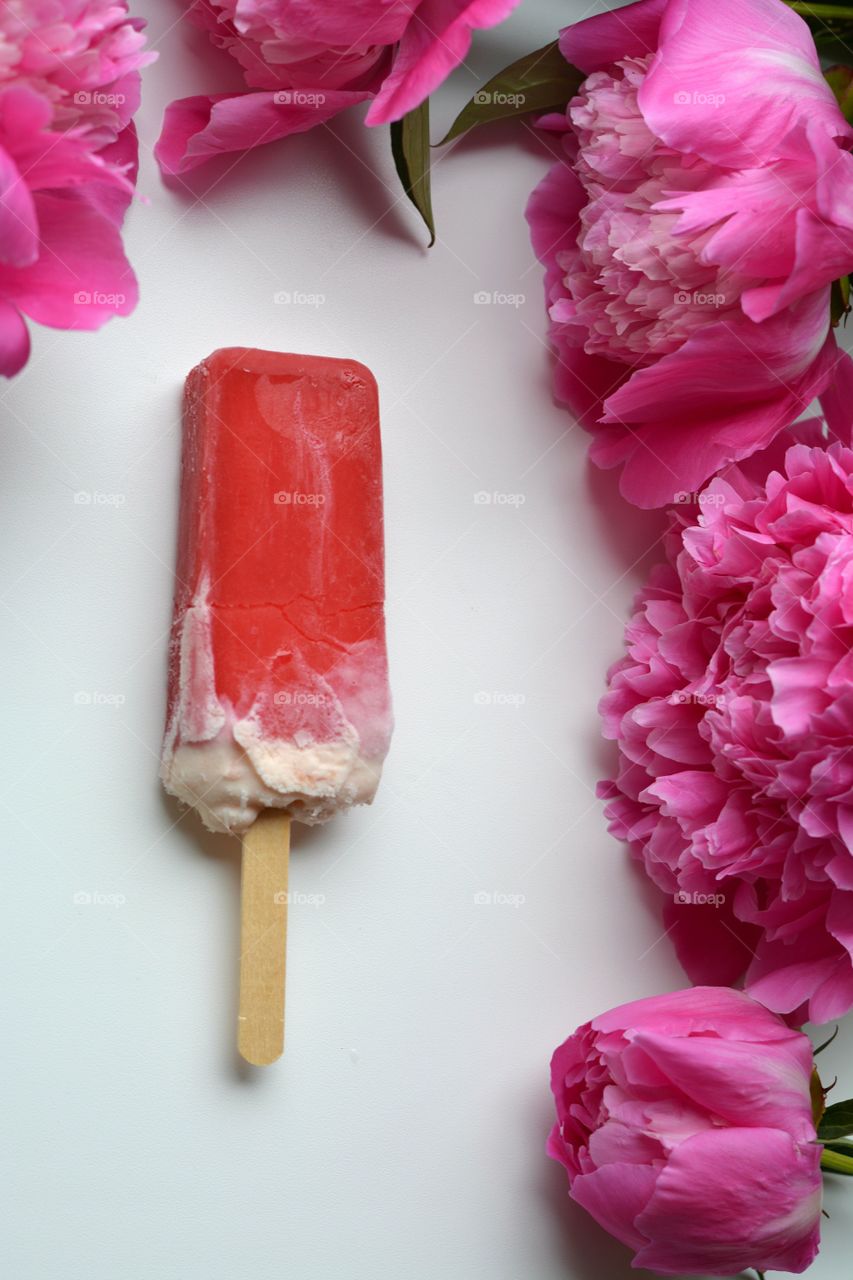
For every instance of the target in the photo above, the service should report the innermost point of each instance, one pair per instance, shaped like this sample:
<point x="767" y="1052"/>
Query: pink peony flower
<point x="305" y="61"/>
<point x="685" y="1124"/>
<point x="733" y="711"/>
<point x="691" y="236"/>
<point x="69" y="84"/>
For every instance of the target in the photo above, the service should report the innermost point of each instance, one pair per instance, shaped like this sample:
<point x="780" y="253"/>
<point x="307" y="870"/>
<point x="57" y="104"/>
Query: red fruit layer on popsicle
<point x="278" y="680"/>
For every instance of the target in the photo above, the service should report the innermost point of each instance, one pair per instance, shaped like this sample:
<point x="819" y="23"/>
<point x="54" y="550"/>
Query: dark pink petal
<point x="14" y="340"/>
<point x="18" y="222"/>
<point x="435" y="41"/>
<point x="81" y="278"/>
<point x="679" y="421"/>
<point x="194" y="129"/>
<point x="628" y="32"/>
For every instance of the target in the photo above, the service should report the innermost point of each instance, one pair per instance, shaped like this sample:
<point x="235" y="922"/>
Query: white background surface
<point x="403" y="1132"/>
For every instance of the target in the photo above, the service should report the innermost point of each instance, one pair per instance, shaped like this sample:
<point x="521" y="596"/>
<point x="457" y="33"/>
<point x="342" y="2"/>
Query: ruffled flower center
<point x="637" y="289"/>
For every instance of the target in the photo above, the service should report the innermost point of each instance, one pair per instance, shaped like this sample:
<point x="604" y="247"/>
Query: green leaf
<point x="540" y="81"/>
<point x="833" y="1162"/>
<point x="828" y="1042"/>
<point x="818" y="1097"/>
<point x="840" y="81"/>
<point x="839" y="301"/>
<point x="837" y="1121"/>
<point x="410" y="148"/>
<point x="832" y="11"/>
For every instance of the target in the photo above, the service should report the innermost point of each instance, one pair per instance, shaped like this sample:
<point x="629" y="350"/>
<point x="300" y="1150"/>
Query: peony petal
<point x="712" y="946"/>
<point x="18" y="222"/>
<point x="435" y="41"/>
<point x="734" y="1198"/>
<point x="81" y="278"/>
<point x="740" y="1083"/>
<point x="615" y="1195"/>
<point x="836" y="399"/>
<point x="679" y="422"/>
<point x="14" y="340"/>
<point x="629" y="32"/>
<point x="194" y="129"/>
<point x="697" y="1011"/>
<point x="731" y="80"/>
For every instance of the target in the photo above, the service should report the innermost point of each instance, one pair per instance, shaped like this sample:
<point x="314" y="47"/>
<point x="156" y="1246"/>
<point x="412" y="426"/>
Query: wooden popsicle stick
<point x="263" y="938"/>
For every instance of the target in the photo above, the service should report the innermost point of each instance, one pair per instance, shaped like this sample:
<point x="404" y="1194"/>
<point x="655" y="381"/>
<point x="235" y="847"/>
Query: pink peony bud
<point x="685" y="1123"/>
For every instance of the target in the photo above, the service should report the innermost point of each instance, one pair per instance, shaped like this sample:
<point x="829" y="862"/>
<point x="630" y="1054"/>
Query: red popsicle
<point x="278" y="682"/>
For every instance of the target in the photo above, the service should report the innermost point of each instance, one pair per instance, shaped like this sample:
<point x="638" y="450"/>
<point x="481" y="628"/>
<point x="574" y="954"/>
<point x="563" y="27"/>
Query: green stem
<point x="834" y="1162"/>
<point x="820" y="10"/>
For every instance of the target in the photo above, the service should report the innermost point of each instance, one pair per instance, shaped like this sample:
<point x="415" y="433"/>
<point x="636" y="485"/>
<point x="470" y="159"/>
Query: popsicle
<point x="278" y="699"/>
